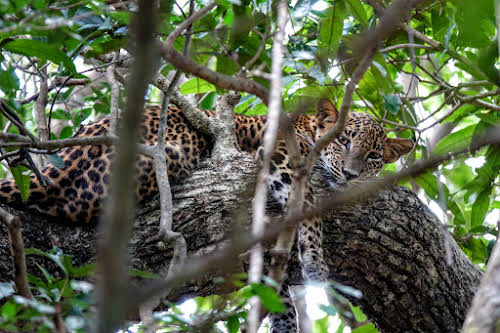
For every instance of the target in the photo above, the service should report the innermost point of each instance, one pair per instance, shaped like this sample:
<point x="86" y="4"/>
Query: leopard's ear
<point x="325" y="109"/>
<point x="394" y="148"/>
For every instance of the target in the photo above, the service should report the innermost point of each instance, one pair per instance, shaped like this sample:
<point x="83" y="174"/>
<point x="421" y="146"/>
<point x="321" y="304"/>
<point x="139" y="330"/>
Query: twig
<point x="115" y="93"/>
<point x="269" y="141"/>
<point x="56" y="82"/>
<point x="220" y="80"/>
<point x="405" y="45"/>
<point x="55" y="99"/>
<point x="17" y="248"/>
<point x="14" y="118"/>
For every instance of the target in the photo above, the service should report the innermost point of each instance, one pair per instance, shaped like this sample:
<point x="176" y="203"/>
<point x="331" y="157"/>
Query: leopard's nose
<point x="349" y="174"/>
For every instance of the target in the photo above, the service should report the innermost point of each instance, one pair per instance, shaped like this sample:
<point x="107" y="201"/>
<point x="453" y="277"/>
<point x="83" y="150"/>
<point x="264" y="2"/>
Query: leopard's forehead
<point x="364" y="130"/>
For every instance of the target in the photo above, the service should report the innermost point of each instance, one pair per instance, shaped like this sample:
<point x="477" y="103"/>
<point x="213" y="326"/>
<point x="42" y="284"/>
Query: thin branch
<point x="269" y="142"/>
<point x="220" y="80"/>
<point x="115" y="93"/>
<point x="56" y="82"/>
<point x="405" y="45"/>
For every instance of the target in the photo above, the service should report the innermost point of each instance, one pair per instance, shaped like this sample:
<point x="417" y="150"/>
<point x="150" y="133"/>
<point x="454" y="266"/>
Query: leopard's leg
<point x="309" y="239"/>
<point x="286" y="321"/>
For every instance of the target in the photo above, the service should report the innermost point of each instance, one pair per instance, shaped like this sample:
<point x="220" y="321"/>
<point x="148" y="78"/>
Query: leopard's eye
<point x="343" y="140"/>
<point x="374" y="156"/>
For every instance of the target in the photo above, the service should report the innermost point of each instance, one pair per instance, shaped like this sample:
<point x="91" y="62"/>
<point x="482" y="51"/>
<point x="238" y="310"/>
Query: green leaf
<point x="475" y="22"/>
<point x="66" y="132"/>
<point x="6" y="289"/>
<point x="22" y="181"/>
<point x="392" y="103"/>
<point x="321" y="325"/>
<point x="358" y="313"/>
<point x="430" y="185"/>
<point x="456" y="140"/>
<point x="331" y="27"/>
<point x="55" y="255"/>
<point x="233" y="324"/>
<point x="358" y="11"/>
<point x="40" y="50"/>
<point x="368" y="328"/>
<point x="208" y="102"/>
<point x="9" y="310"/>
<point x="477" y="250"/>
<point x="196" y="86"/>
<point x="268" y="297"/>
<point x="480" y="207"/>
<point x="84" y="270"/>
<point x="55" y="160"/>
<point x="143" y="274"/>
<point x="9" y="82"/>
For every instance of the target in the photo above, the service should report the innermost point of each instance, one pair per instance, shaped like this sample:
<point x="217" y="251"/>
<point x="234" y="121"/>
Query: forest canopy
<point x="434" y="77"/>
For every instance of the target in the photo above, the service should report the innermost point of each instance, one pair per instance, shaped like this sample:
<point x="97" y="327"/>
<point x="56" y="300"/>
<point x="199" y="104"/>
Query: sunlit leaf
<point x="357" y="10"/>
<point x="268" y="297"/>
<point x="196" y="86"/>
<point x="454" y="141"/>
<point x="22" y="181"/>
<point x="41" y="50"/>
<point x="331" y="27"/>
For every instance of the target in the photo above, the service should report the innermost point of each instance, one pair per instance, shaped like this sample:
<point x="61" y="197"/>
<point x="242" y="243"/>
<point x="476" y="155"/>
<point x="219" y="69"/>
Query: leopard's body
<point x="76" y="192"/>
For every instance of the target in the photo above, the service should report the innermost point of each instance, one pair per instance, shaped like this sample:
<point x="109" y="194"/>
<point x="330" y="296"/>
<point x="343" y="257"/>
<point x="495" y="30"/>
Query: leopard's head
<point x="359" y="152"/>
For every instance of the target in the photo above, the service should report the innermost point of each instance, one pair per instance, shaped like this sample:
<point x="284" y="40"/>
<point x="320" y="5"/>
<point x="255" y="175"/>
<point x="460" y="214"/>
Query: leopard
<point x="76" y="192"/>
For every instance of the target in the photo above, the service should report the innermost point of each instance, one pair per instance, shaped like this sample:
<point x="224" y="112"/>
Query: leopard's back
<point x="76" y="192"/>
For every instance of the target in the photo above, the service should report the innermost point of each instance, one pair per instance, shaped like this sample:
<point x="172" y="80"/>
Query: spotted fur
<point x="76" y="192"/>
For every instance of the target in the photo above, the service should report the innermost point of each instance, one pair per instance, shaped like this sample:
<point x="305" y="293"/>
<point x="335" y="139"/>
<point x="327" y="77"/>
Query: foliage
<point x="67" y="297"/>
<point x="456" y="91"/>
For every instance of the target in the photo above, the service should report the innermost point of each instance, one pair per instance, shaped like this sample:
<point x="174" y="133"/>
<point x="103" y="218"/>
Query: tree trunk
<point x="413" y="276"/>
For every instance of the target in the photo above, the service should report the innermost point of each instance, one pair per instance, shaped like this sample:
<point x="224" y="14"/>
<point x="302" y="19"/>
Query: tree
<point x="424" y="69"/>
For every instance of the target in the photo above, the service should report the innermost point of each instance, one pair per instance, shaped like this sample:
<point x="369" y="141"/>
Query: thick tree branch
<point x="389" y="248"/>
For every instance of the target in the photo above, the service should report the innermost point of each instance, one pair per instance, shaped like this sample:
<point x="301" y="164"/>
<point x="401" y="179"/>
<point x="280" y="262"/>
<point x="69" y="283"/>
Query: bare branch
<point x="17" y="248"/>
<point x="56" y="82"/>
<point x="220" y="80"/>
<point x="269" y="141"/>
<point x="405" y="45"/>
<point x="115" y="93"/>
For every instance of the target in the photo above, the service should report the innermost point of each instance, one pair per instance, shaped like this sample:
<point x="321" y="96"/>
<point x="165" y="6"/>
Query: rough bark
<point x="392" y="248"/>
